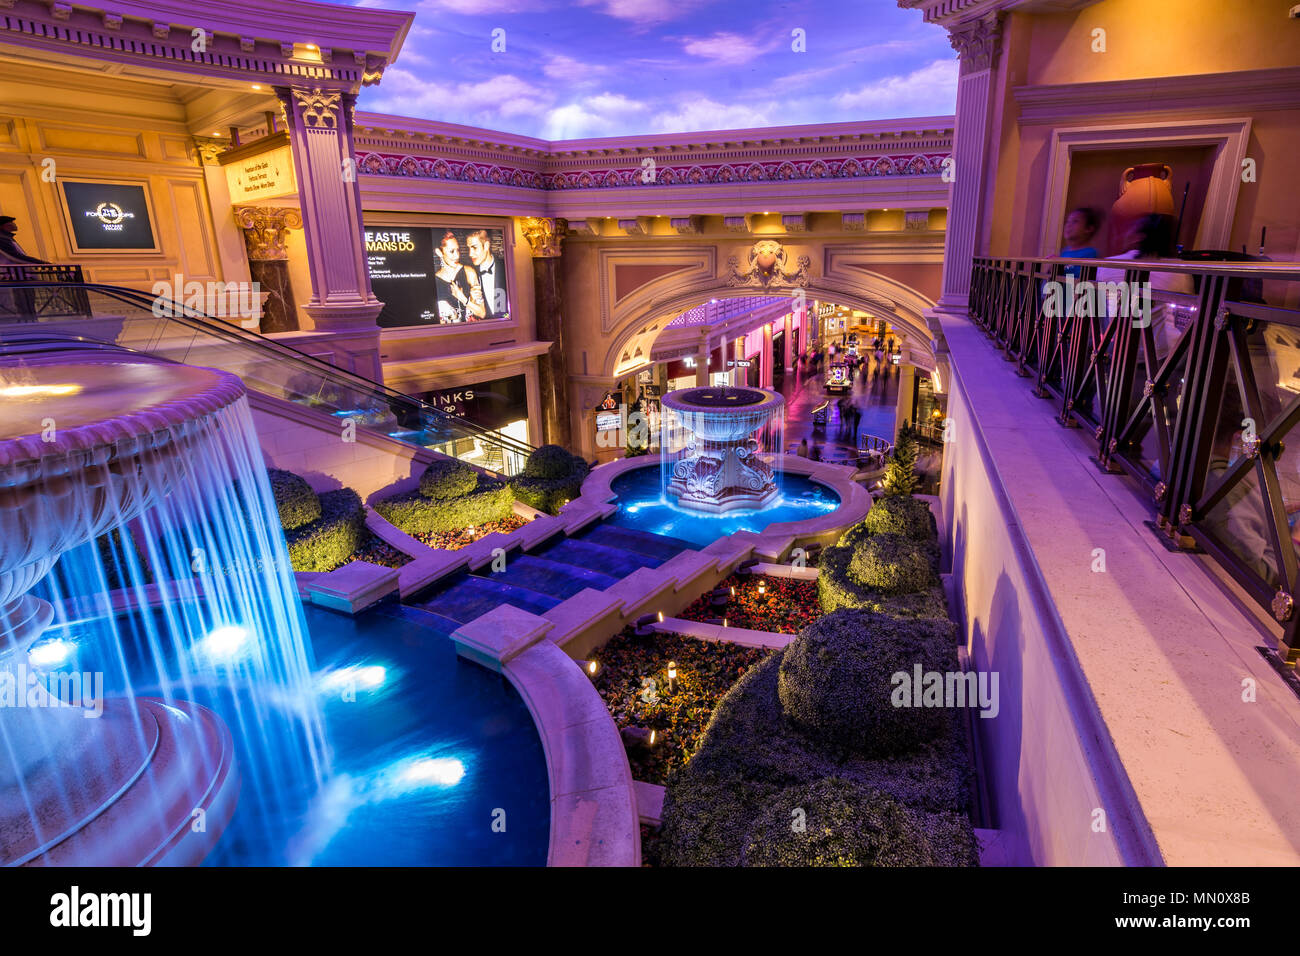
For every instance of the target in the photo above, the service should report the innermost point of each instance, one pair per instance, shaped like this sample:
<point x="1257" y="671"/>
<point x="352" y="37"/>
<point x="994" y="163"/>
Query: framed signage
<point x="438" y="275"/>
<point x="490" y="405"/>
<point x="109" y="216"/>
<point x="260" y="170"/>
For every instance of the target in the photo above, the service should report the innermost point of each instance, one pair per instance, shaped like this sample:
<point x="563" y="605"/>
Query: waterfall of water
<point x="173" y="588"/>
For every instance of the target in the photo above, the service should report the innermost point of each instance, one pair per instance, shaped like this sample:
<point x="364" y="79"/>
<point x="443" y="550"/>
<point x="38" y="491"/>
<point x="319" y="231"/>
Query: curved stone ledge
<point x="593" y="805"/>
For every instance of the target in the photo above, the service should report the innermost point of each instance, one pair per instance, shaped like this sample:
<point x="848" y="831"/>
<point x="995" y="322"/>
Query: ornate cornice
<point x="978" y="42"/>
<point x="266" y="229"/>
<point x="850" y="167"/>
<point x="209" y="149"/>
<point x="351" y="47"/>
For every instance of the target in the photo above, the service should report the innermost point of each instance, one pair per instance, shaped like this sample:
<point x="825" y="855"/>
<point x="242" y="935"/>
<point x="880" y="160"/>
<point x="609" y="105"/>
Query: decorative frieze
<point x="854" y="221"/>
<point x="735" y="223"/>
<point x="766" y="267"/>
<point x="687" y="225"/>
<point x="797" y="222"/>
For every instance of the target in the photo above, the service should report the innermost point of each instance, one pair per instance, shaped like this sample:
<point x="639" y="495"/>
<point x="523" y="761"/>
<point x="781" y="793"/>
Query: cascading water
<point x="140" y="557"/>
<point x="719" y="448"/>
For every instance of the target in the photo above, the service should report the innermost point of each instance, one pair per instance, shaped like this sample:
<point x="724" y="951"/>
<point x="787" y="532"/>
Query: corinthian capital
<point x="266" y="228"/>
<point x="978" y="42"/>
<point x="544" y="236"/>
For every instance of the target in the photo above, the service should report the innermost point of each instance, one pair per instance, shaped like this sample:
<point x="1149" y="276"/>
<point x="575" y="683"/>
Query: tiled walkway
<point x="875" y="392"/>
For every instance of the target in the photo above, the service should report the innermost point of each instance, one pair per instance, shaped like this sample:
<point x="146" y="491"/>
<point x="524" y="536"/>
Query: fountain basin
<point x="717" y="446"/>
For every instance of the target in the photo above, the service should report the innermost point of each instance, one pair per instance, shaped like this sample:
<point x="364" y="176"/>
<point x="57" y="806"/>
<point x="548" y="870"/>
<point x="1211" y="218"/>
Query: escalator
<point x="41" y="315"/>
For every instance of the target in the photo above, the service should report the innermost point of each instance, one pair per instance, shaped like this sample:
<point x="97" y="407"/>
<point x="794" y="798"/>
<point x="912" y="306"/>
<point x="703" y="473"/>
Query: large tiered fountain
<point x="719" y="446"/>
<point x="163" y="456"/>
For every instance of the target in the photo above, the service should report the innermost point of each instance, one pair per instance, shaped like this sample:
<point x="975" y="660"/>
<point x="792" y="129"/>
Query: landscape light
<point x="762" y="588"/>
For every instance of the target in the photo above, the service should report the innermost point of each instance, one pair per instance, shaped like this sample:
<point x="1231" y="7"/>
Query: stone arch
<point x="880" y="295"/>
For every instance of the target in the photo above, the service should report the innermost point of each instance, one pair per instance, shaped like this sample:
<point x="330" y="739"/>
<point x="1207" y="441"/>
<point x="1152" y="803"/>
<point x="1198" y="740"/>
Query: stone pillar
<point x="978" y="42"/>
<point x="320" y="132"/>
<point x="906" y="386"/>
<point x="766" y="357"/>
<point x="543" y="236"/>
<point x="702" y="362"/>
<point x="739" y="374"/>
<point x="790" y="344"/>
<point x="266" y="229"/>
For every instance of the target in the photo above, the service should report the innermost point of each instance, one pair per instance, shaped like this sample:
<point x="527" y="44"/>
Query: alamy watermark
<point x="1088" y="299"/>
<point x="238" y="301"/>
<point x="22" y="688"/>
<point x="923" y="688"/>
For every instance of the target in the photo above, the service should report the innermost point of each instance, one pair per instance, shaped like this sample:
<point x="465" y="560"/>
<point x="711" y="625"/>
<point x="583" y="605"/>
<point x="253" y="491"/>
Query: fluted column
<point x="789" y="342"/>
<point x="320" y="132"/>
<point x="766" y="358"/>
<point x="702" y="361"/>
<point x="978" y="42"/>
<point x="543" y="237"/>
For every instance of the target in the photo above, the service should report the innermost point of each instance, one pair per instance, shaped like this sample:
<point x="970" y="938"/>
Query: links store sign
<point x="109" y="217"/>
<point x="492" y="405"/>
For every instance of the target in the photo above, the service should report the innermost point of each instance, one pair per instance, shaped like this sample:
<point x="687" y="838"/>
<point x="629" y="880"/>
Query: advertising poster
<point x="437" y="275"/>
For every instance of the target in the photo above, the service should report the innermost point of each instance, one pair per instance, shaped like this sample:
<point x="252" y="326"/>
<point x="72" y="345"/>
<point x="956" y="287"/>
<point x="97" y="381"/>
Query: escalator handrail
<point x="195" y="319"/>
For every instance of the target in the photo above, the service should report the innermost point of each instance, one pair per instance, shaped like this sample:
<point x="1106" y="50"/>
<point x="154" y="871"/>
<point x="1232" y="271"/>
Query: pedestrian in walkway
<point x="802" y="451"/>
<point x="816" y="453"/>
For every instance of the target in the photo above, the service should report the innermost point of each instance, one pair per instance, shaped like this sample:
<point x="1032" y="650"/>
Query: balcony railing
<point x="1195" y="397"/>
<point x="41" y="290"/>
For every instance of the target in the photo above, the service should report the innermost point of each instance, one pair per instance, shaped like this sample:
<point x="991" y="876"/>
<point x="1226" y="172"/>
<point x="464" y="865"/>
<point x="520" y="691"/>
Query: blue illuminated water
<point x="642" y="506"/>
<point x="426" y="749"/>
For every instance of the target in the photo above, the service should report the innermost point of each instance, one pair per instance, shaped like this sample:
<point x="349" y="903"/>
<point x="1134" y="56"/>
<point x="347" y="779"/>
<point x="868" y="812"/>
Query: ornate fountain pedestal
<point x="85" y="447"/>
<point x="719" y="461"/>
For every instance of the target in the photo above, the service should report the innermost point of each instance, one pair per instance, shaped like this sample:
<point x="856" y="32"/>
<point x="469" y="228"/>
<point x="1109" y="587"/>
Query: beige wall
<point x="1195" y="37"/>
<point x="1147" y="38"/>
<point x="119" y="131"/>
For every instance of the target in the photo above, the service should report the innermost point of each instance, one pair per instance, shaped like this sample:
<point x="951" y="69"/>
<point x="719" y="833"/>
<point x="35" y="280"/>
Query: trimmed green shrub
<point x="553" y="461"/>
<point x="838" y="584"/>
<point x="296" y="503"/>
<point x="448" y="478"/>
<point x="491" y="500"/>
<point x="331" y="539"/>
<point x="837" y="679"/>
<point x="909" y="517"/>
<point x="894" y="564"/>
<point x="751" y="752"/>
<point x="900" y="475"/>
<point x="552" y="477"/>
<point x="845" y="824"/>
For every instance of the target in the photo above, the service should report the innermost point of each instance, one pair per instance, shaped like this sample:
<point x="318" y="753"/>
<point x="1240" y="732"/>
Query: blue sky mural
<point x="580" y="68"/>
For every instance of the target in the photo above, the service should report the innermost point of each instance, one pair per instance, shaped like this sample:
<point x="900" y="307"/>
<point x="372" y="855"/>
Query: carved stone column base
<point x="345" y="317"/>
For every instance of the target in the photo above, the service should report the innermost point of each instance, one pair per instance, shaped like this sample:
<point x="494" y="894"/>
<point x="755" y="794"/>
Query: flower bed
<point x="455" y="540"/>
<point x="633" y="680"/>
<point x="375" y="550"/>
<point x="786" y="606"/>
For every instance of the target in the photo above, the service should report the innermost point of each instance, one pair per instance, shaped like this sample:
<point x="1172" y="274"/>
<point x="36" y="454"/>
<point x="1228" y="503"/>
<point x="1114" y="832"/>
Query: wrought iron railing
<point x="34" y="290"/>
<point x="1196" y="397"/>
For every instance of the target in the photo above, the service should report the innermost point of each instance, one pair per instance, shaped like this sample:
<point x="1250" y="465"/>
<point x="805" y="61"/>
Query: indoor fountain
<point x="719" y="445"/>
<point x="145" y="582"/>
<point x="158" y="463"/>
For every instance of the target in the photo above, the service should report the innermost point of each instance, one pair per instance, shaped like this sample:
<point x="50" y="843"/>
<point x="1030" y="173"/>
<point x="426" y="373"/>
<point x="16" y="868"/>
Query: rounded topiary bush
<point x="899" y="514"/>
<point x="833" y="822"/>
<point x="297" y="504"/>
<point x="552" y="477"/>
<point x="893" y="563"/>
<point x="326" y="543"/>
<point x="837" y="679"/>
<point x="448" y="478"/>
<point x="551" y="461"/>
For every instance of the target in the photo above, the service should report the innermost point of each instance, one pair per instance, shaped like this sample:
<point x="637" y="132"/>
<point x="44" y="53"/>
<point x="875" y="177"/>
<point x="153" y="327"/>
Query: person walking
<point x="802" y="451"/>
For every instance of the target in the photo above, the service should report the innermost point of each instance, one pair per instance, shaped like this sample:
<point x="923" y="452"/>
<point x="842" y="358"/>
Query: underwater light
<point x="354" y="676"/>
<point x="50" y="653"/>
<point x="432" y="771"/>
<point x="223" y="643"/>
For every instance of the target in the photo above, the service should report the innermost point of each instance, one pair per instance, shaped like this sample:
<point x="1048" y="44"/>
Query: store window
<point x="500" y="408"/>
